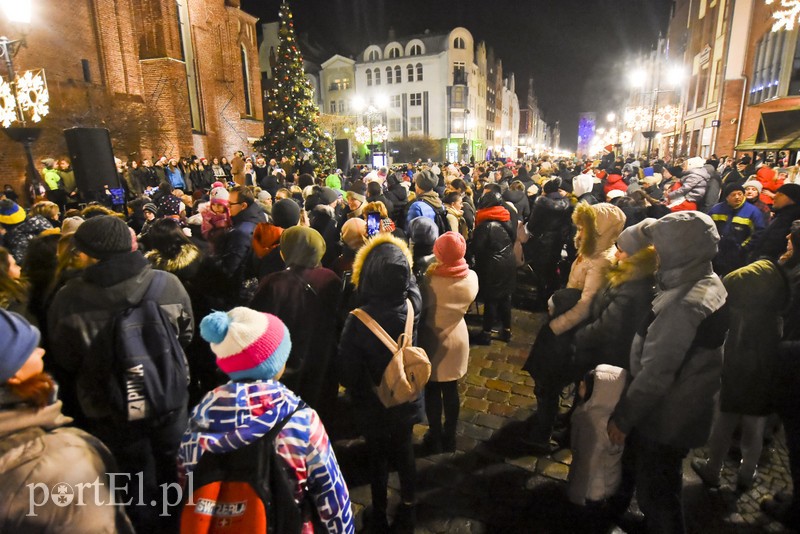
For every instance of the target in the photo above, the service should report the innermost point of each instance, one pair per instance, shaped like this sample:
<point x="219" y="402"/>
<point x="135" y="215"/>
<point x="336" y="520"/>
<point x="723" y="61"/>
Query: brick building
<point x="166" y="77"/>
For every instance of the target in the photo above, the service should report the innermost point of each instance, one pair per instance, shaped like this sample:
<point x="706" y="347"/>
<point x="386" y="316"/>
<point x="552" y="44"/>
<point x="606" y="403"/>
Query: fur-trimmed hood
<point x="601" y="224"/>
<point x="641" y="265"/>
<point x="382" y="268"/>
<point x="188" y="254"/>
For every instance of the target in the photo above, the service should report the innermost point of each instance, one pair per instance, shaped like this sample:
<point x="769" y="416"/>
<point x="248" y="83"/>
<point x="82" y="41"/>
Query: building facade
<point x="165" y="77"/>
<point x="444" y="87"/>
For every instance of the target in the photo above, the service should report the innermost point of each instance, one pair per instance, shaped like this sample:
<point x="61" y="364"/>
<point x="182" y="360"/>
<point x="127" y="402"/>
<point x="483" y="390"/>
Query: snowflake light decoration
<point x="667" y="117"/>
<point x="32" y="94"/>
<point x="788" y="16"/>
<point x="380" y="133"/>
<point x="8" y="104"/>
<point x="637" y="119"/>
<point x="362" y="134"/>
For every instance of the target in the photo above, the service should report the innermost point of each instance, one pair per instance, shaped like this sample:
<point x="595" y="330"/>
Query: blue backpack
<point x="149" y="370"/>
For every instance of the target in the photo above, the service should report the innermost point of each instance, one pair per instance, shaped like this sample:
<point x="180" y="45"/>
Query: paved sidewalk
<point x="492" y="484"/>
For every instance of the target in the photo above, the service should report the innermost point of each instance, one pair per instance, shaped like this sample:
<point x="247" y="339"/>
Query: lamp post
<point x="24" y="95"/>
<point x="656" y="117"/>
<point x="371" y="111"/>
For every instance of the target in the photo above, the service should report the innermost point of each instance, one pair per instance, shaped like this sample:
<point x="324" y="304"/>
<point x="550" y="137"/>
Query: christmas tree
<point x="292" y="120"/>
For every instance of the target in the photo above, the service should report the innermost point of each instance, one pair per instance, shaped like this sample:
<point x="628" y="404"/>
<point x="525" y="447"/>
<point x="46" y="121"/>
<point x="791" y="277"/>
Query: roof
<point x="779" y="130"/>
<point x="434" y="42"/>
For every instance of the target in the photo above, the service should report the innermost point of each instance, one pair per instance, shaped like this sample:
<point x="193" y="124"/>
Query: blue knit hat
<point x="19" y="339"/>
<point x="10" y="212"/>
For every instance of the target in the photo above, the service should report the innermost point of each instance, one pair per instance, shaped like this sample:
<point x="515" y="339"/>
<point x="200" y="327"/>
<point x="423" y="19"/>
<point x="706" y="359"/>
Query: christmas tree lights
<point x="291" y="123"/>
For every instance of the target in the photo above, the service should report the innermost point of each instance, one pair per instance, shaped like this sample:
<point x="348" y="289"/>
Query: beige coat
<point x="600" y="225"/>
<point x="444" y="334"/>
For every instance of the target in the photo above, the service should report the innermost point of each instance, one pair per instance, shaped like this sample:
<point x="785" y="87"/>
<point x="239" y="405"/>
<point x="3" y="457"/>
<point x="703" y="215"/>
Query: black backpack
<point x="149" y="371"/>
<point x="439" y="217"/>
<point x="245" y="490"/>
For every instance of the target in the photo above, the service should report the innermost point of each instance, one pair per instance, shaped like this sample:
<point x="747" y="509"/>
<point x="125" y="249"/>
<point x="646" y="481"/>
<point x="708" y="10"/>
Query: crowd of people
<point x="645" y="268"/>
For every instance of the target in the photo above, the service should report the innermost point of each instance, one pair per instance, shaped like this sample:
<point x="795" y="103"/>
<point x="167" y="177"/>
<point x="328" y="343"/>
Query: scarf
<point x="495" y="213"/>
<point x="459" y="269"/>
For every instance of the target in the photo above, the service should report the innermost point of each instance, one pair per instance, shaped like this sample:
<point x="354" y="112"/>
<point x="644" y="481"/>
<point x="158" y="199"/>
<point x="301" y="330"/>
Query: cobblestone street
<point x="492" y="484"/>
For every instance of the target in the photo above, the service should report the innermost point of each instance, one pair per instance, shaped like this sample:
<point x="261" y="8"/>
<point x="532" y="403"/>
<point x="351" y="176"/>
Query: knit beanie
<point x="552" y="185"/>
<point x="727" y="189"/>
<point x="302" y="246"/>
<point x="217" y="184"/>
<point x="151" y="208"/>
<point x="170" y="206"/>
<point x="633" y="238"/>
<point x="754" y="183"/>
<point x="790" y="190"/>
<point x="354" y="233"/>
<point x="219" y="195"/>
<point x="286" y="213"/>
<point x="695" y="163"/>
<point x="357" y="191"/>
<point x="103" y="237"/>
<point x="582" y="184"/>
<point x="675" y="171"/>
<point x="423" y="231"/>
<point x="19" y="339"/>
<point x="10" y="212"/>
<point x="425" y="180"/>
<point x="449" y="250"/>
<point x="248" y="344"/>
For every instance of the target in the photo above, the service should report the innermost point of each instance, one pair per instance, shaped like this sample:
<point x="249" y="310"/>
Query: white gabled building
<point x="432" y="85"/>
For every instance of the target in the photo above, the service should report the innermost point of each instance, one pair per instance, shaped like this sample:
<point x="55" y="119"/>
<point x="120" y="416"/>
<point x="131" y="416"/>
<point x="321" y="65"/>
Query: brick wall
<point x="137" y="86"/>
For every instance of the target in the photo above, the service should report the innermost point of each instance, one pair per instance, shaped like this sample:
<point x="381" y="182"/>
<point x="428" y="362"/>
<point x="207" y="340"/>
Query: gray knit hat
<point x="633" y="238"/>
<point x="103" y="237"/>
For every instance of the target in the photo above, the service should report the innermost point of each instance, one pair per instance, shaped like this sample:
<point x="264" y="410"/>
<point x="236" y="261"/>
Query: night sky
<point x="572" y="48"/>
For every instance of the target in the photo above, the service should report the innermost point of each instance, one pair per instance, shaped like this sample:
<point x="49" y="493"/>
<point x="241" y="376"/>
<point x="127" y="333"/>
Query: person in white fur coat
<point x="596" y="469"/>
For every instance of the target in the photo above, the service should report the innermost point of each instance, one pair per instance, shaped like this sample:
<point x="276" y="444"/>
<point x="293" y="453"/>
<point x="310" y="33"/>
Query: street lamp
<point x="371" y="111"/>
<point x="639" y="118"/>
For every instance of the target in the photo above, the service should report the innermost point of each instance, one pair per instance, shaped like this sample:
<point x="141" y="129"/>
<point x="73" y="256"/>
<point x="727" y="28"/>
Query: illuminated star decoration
<point x="8" y="104"/>
<point x="362" y="134"/>
<point x="788" y="16"/>
<point x="32" y="94"/>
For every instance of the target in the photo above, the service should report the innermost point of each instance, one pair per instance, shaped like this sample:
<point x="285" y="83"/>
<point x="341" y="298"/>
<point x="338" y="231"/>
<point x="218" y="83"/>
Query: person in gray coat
<point x="676" y="363"/>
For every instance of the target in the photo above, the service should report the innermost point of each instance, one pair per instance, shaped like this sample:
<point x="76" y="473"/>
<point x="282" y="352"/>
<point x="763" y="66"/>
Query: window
<point x="333" y="106"/>
<point x="415" y="99"/>
<point x="388" y="74"/>
<point x="415" y="124"/>
<point x="459" y="73"/>
<point x="394" y="53"/>
<point x="767" y="68"/>
<point x="395" y="101"/>
<point x="369" y="77"/>
<point x="377" y="74"/>
<point x="187" y="49"/>
<point x="342" y="107"/>
<point x="794" y="81"/>
<point x="416" y="50"/>
<point x="394" y="125"/>
<point x="459" y="43"/>
<point x="419" y="72"/>
<point x="410" y="69"/>
<point x="398" y="74"/>
<point x="373" y="56"/>
<point x="248" y="104"/>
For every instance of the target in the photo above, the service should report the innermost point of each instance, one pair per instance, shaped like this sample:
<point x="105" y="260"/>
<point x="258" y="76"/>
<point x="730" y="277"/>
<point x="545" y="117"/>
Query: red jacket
<point x="769" y="179"/>
<point x="614" y="181"/>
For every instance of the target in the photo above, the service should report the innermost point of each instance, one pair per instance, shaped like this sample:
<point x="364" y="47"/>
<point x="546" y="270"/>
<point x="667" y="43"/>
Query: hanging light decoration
<point x="362" y="134"/>
<point x="786" y="17"/>
<point x="638" y="118"/>
<point x="667" y="117"/>
<point x="8" y="104"/>
<point x="380" y="133"/>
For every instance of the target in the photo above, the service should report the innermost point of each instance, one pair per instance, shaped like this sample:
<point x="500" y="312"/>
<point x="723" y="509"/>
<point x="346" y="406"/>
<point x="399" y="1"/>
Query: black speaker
<point x="92" y="159"/>
<point x="344" y="158"/>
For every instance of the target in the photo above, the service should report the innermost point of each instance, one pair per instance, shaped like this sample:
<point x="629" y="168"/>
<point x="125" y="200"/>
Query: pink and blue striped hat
<point x="248" y="344"/>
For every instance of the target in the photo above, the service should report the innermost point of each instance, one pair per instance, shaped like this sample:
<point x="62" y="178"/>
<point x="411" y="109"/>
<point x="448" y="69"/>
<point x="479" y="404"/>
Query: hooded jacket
<point x="36" y="447"/>
<point x="493" y="249"/>
<point x="596" y="469"/>
<point x="615" y="313"/>
<point x="424" y="206"/>
<point x="693" y="186"/>
<point x="757" y="293"/>
<point x="383" y="280"/>
<point x="676" y="357"/>
<point x="600" y="225"/>
<point x="81" y="316"/>
<point x="239" y="413"/>
<point x="549" y="226"/>
<point x="238" y="241"/>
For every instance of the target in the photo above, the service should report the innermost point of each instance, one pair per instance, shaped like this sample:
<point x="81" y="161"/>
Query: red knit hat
<point x="449" y="250"/>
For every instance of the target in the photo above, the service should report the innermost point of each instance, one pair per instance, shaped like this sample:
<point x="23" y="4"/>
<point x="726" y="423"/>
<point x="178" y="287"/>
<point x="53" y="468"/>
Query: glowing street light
<point x="17" y="10"/>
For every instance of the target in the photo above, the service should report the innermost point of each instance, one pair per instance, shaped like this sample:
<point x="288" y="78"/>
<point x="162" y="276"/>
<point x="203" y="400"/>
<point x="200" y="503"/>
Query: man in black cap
<point x="81" y="323"/>
<point x="786" y="209"/>
<point x="737" y="221"/>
